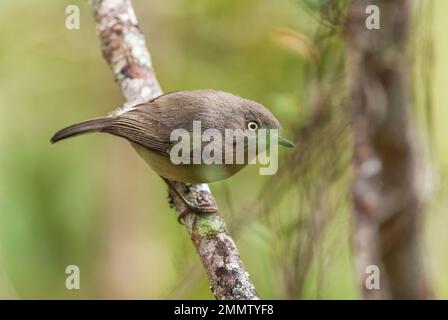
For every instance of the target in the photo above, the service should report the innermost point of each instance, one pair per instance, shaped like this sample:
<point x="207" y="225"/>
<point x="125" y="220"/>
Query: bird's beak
<point x="285" y="142"/>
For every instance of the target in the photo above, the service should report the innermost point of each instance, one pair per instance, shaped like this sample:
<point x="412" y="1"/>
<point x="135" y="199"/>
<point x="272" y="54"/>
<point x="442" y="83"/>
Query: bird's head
<point x="255" y="117"/>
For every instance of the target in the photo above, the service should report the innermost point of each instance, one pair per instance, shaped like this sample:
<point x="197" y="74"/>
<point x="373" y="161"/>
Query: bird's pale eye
<point x="252" y="126"/>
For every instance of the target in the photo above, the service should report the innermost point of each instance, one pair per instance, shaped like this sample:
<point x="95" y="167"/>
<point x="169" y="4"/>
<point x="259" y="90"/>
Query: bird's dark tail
<point x="92" y="125"/>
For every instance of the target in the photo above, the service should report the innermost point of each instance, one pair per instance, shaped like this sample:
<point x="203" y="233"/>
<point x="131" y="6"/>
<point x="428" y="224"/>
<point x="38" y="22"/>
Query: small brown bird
<point x="148" y="126"/>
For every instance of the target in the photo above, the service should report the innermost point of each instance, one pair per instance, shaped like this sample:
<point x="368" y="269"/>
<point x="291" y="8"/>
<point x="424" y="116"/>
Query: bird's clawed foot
<point x="205" y="203"/>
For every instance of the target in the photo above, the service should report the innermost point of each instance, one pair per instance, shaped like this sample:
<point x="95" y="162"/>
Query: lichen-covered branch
<point x="124" y="48"/>
<point x="387" y="199"/>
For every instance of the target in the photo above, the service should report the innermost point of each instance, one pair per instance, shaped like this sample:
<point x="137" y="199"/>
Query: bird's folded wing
<point x="137" y="127"/>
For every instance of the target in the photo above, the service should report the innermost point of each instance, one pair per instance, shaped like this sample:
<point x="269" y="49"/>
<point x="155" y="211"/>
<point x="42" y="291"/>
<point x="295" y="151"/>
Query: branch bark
<point x="124" y="48"/>
<point x="387" y="200"/>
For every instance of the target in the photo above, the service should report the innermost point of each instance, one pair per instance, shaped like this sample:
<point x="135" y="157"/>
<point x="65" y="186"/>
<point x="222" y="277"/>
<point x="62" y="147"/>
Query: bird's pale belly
<point x="189" y="173"/>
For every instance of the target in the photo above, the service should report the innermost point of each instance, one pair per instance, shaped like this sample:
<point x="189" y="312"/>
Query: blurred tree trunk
<point x="386" y="199"/>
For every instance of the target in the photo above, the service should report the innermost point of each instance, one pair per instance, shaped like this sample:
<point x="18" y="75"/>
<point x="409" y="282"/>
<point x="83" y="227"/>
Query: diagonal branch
<point x="124" y="48"/>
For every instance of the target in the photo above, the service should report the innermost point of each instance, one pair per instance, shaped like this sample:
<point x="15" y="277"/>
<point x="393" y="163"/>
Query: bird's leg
<point x="206" y="208"/>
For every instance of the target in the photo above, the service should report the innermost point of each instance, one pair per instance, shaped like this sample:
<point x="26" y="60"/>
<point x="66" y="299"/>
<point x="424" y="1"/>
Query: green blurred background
<point x="93" y="202"/>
